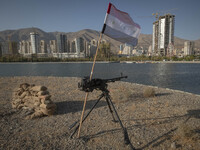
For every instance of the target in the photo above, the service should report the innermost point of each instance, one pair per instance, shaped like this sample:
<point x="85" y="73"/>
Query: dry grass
<point x="149" y="92"/>
<point x="187" y="135"/>
<point x="120" y="94"/>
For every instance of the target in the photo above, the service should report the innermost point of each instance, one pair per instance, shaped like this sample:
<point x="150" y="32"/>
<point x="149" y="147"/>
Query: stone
<point x="173" y="145"/>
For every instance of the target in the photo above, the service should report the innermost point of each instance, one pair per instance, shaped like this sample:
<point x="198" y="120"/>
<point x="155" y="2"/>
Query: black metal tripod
<point x="105" y="94"/>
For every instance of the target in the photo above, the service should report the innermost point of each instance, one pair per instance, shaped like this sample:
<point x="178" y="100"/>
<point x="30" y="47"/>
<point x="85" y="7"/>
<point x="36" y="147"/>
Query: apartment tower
<point x="163" y="35"/>
<point x="34" y="42"/>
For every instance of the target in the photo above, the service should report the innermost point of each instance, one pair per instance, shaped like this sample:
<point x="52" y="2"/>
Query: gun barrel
<point x="116" y="79"/>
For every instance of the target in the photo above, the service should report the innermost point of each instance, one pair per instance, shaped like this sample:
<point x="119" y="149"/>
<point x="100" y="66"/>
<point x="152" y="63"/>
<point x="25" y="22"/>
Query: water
<point x="184" y="77"/>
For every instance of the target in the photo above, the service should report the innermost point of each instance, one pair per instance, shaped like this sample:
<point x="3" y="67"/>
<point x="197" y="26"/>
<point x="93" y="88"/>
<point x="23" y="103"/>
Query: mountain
<point x="145" y="40"/>
<point x="197" y="43"/>
<point x="24" y="34"/>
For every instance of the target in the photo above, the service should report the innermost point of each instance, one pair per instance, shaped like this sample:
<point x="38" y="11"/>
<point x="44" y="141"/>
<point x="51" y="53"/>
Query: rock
<point x="173" y="145"/>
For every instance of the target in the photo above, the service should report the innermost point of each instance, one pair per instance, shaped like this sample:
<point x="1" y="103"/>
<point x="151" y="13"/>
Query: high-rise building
<point x="68" y="46"/>
<point x="188" y="48"/>
<point x="127" y="49"/>
<point x="73" y="47"/>
<point x="0" y="50"/>
<point x="94" y="42"/>
<point x="43" y="46"/>
<point x="61" y="43"/>
<point x="163" y="34"/>
<point x="87" y="49"/>
<point x="13" y="48"/>
<point x="149" y="53"/>
<point x="93" y="47"/>
<point x="79" y="43"/>
<point x="22" y="47"/>
<point x="25" y="47"/>
<point x="53" y="46"/>
<point x="34" y="42"/>
<point x="121" y="47"/>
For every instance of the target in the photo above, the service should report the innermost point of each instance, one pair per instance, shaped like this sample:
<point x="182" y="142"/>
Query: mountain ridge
<point x="144" y="40"/>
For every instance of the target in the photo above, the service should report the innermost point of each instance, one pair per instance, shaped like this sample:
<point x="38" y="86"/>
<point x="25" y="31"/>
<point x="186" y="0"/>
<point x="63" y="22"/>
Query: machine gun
<point x="96" y="83"/>
<point x="88" y="85"/>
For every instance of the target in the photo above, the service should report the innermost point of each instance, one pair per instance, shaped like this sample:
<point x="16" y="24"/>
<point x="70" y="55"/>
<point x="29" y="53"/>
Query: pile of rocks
<point x="36" y="99"/>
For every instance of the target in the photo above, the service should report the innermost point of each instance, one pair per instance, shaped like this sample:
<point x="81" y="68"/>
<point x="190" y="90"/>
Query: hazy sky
<point x="75" y="15"/>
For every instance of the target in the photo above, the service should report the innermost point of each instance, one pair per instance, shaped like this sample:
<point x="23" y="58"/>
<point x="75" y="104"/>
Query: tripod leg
<point x="107" y="100"/>
<point x="86" y="115"/>
<point x="126" y="138"/>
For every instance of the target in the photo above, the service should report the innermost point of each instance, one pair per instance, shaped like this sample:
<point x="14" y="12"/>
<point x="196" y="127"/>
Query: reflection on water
<point x="163" y="75"/>
<point x="185" y="77"/>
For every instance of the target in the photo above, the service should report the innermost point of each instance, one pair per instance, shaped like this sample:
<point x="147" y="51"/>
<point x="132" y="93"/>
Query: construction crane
<point x="157" y="14"/>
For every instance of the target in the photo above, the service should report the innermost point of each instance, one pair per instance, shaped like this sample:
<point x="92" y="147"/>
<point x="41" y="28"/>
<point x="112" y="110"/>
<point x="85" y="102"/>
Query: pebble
<point x="173" y="145"/>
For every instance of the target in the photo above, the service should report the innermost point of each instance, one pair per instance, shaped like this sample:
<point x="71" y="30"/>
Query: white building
<point x="53" y="46"/>
<point x="127" y="49"/>
<point x="43" y="47"/>
<point x="188" y="48"/>
<point x="25" y="47"/>
<point x="34" y="42"/>
<point x="163" y="34"/>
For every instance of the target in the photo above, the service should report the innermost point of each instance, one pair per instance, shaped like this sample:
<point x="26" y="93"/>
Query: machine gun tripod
<point x="101" y="84"/>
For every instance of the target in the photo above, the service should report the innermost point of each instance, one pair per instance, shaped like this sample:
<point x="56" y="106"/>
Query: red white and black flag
<point x="119" y="26"/>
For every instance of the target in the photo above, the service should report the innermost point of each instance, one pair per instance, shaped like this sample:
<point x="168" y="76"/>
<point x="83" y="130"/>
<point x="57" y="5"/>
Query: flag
<point x="119" y="26"/>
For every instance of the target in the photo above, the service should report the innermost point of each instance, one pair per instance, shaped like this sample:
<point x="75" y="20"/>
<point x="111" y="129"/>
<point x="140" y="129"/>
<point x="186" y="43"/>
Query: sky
<point x="75" y="15"/>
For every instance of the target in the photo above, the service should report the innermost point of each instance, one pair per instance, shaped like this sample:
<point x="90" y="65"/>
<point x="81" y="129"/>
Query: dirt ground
<point x="168" y="120"/>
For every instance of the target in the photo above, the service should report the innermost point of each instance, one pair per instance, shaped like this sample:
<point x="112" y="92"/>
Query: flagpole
<point x="87" y="93"/>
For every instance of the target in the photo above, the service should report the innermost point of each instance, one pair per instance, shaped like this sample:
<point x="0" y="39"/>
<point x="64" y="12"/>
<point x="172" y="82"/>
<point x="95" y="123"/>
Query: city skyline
<point x="72" y="16"/>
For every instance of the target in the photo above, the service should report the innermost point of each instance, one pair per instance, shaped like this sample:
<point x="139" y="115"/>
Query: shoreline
<point x="156" y="121"/>
<point x="175" y="90"/>
<point x="144" y="62"/>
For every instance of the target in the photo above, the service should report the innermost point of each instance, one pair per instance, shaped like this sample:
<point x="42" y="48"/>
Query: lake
<point x="179" y="76"/>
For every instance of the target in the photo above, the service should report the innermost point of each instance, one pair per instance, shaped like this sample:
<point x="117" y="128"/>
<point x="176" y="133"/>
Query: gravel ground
<point x="169" y="120"/>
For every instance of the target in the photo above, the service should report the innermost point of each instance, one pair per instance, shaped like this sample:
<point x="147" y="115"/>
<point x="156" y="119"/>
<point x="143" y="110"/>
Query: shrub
<point x="149" y="92"/>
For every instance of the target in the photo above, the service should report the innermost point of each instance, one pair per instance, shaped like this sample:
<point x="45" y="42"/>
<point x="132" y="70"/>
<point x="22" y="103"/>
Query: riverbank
<point x="154" y="62"/>
<point x="101" y="62"/>
<point x="169" y="120"/>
